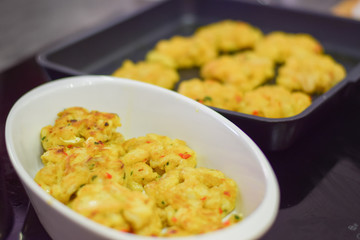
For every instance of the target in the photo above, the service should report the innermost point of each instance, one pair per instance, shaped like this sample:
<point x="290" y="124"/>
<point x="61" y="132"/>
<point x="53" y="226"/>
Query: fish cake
<point x="280" y="45"/>
<point x="116" y="182"/>
<point x="273" y="101"/>
<point x="182" y="52"/>
<point x="193" y="200"/>
<point x="74" y="125"/>
<point x="66" y="169"/>
<point x="230" y="35"/>
<point x="117" y="207"/>
<point x="149" y="72"/>
<point x="310" y="73"/>
<point x="160" y="152"/>
<point x="211" y="93"/>
<point x="245" y="70"/>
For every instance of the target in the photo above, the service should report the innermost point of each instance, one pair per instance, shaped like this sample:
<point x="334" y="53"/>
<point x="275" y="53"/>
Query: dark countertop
<point x="319" y="176"/>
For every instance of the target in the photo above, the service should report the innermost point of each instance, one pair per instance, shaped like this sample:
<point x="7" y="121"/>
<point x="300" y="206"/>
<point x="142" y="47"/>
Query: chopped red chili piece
<point x="238" y="98"/>
<point x="173" y="219"/>
<point x="141" y="169"/>
<point x="62" y="151"/>
<point x="148" y="141"/>
<point x="184" y="155"/>
<point x="255" y="112"/>
<point x="220" y="211"/>
<point x="227" y="193"/>
<point x="203" y="198"/>
<point x="108" y="175"/>
<point x="70" y="146"/>
<point x="227" y="223"/>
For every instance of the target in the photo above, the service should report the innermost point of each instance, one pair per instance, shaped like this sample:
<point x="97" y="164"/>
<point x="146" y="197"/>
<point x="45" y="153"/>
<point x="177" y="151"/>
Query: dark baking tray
<point x="102" y="50"/>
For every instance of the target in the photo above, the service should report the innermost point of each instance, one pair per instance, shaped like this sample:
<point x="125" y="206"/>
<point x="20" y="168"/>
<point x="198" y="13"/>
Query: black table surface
<point x="319" y="176"/>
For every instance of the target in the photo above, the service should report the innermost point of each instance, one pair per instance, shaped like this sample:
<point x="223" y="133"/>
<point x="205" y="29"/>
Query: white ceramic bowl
<point x="143" y="108"/>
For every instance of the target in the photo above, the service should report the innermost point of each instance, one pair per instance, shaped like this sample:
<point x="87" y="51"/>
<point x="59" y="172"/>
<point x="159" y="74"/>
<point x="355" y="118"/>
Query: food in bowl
<point x="146" y="185"/>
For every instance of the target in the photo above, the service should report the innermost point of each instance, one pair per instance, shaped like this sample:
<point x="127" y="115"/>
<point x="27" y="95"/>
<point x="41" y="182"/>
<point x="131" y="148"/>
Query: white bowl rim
<point x="267" y="210"/>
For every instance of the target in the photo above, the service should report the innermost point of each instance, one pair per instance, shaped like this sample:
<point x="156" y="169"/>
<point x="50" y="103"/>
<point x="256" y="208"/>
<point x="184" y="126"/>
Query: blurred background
<point x="26" y="27"/>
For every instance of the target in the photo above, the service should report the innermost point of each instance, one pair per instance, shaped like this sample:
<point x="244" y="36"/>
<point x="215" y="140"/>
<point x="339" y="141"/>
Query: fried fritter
<point x="230" y="35"/>
<point x="273" y="101"/>
<point x="310" y="73"/>
<point x="193" y="200"/>
<point x="211" y="93"/>
<point x="245" y="70"/>
<point x="182" y="52"/>
<point x="281" y="45"/>
<point x="149" y="72"/>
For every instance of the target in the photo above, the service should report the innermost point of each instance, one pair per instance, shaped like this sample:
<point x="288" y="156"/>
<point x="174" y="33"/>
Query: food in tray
<point x="310" y="73"/>
<point x="147" y="185"/>
<point x="234" y="58"/>
<point x="281" y="45"/>
<point x="182" y="52"/>
<point x="244" y="70"/>
<point x="149" y="72"/>
<point x="212" y="93"/>
<point x="230" y="35"/>
<point x="273" y="101"/>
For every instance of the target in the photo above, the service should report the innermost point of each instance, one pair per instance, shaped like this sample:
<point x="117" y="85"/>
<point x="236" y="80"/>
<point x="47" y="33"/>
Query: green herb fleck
<point x="91" y="167"/>
<point x="207" y="98"/>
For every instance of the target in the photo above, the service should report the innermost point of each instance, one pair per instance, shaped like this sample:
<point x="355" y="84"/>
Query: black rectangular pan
<point x="102" y="50"/>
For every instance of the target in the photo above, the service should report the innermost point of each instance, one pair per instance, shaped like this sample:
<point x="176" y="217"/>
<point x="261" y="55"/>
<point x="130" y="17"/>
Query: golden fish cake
<point x="161" y="153"/>
<point x="310" y="73"/>
<point x="74" y="125"/>
<point x="182" y="52"/>
<point x="230" y="35"/>
<point x="281" y="45"/>
<point x="245" y="70"/>
<point x="211" y="93"/>
<point x="117" y="207"/>
<point x="66" y="169"/>
<point x="188" y="196"/>
<point x="149" y="72"/>
<point x="274" y="102"/>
